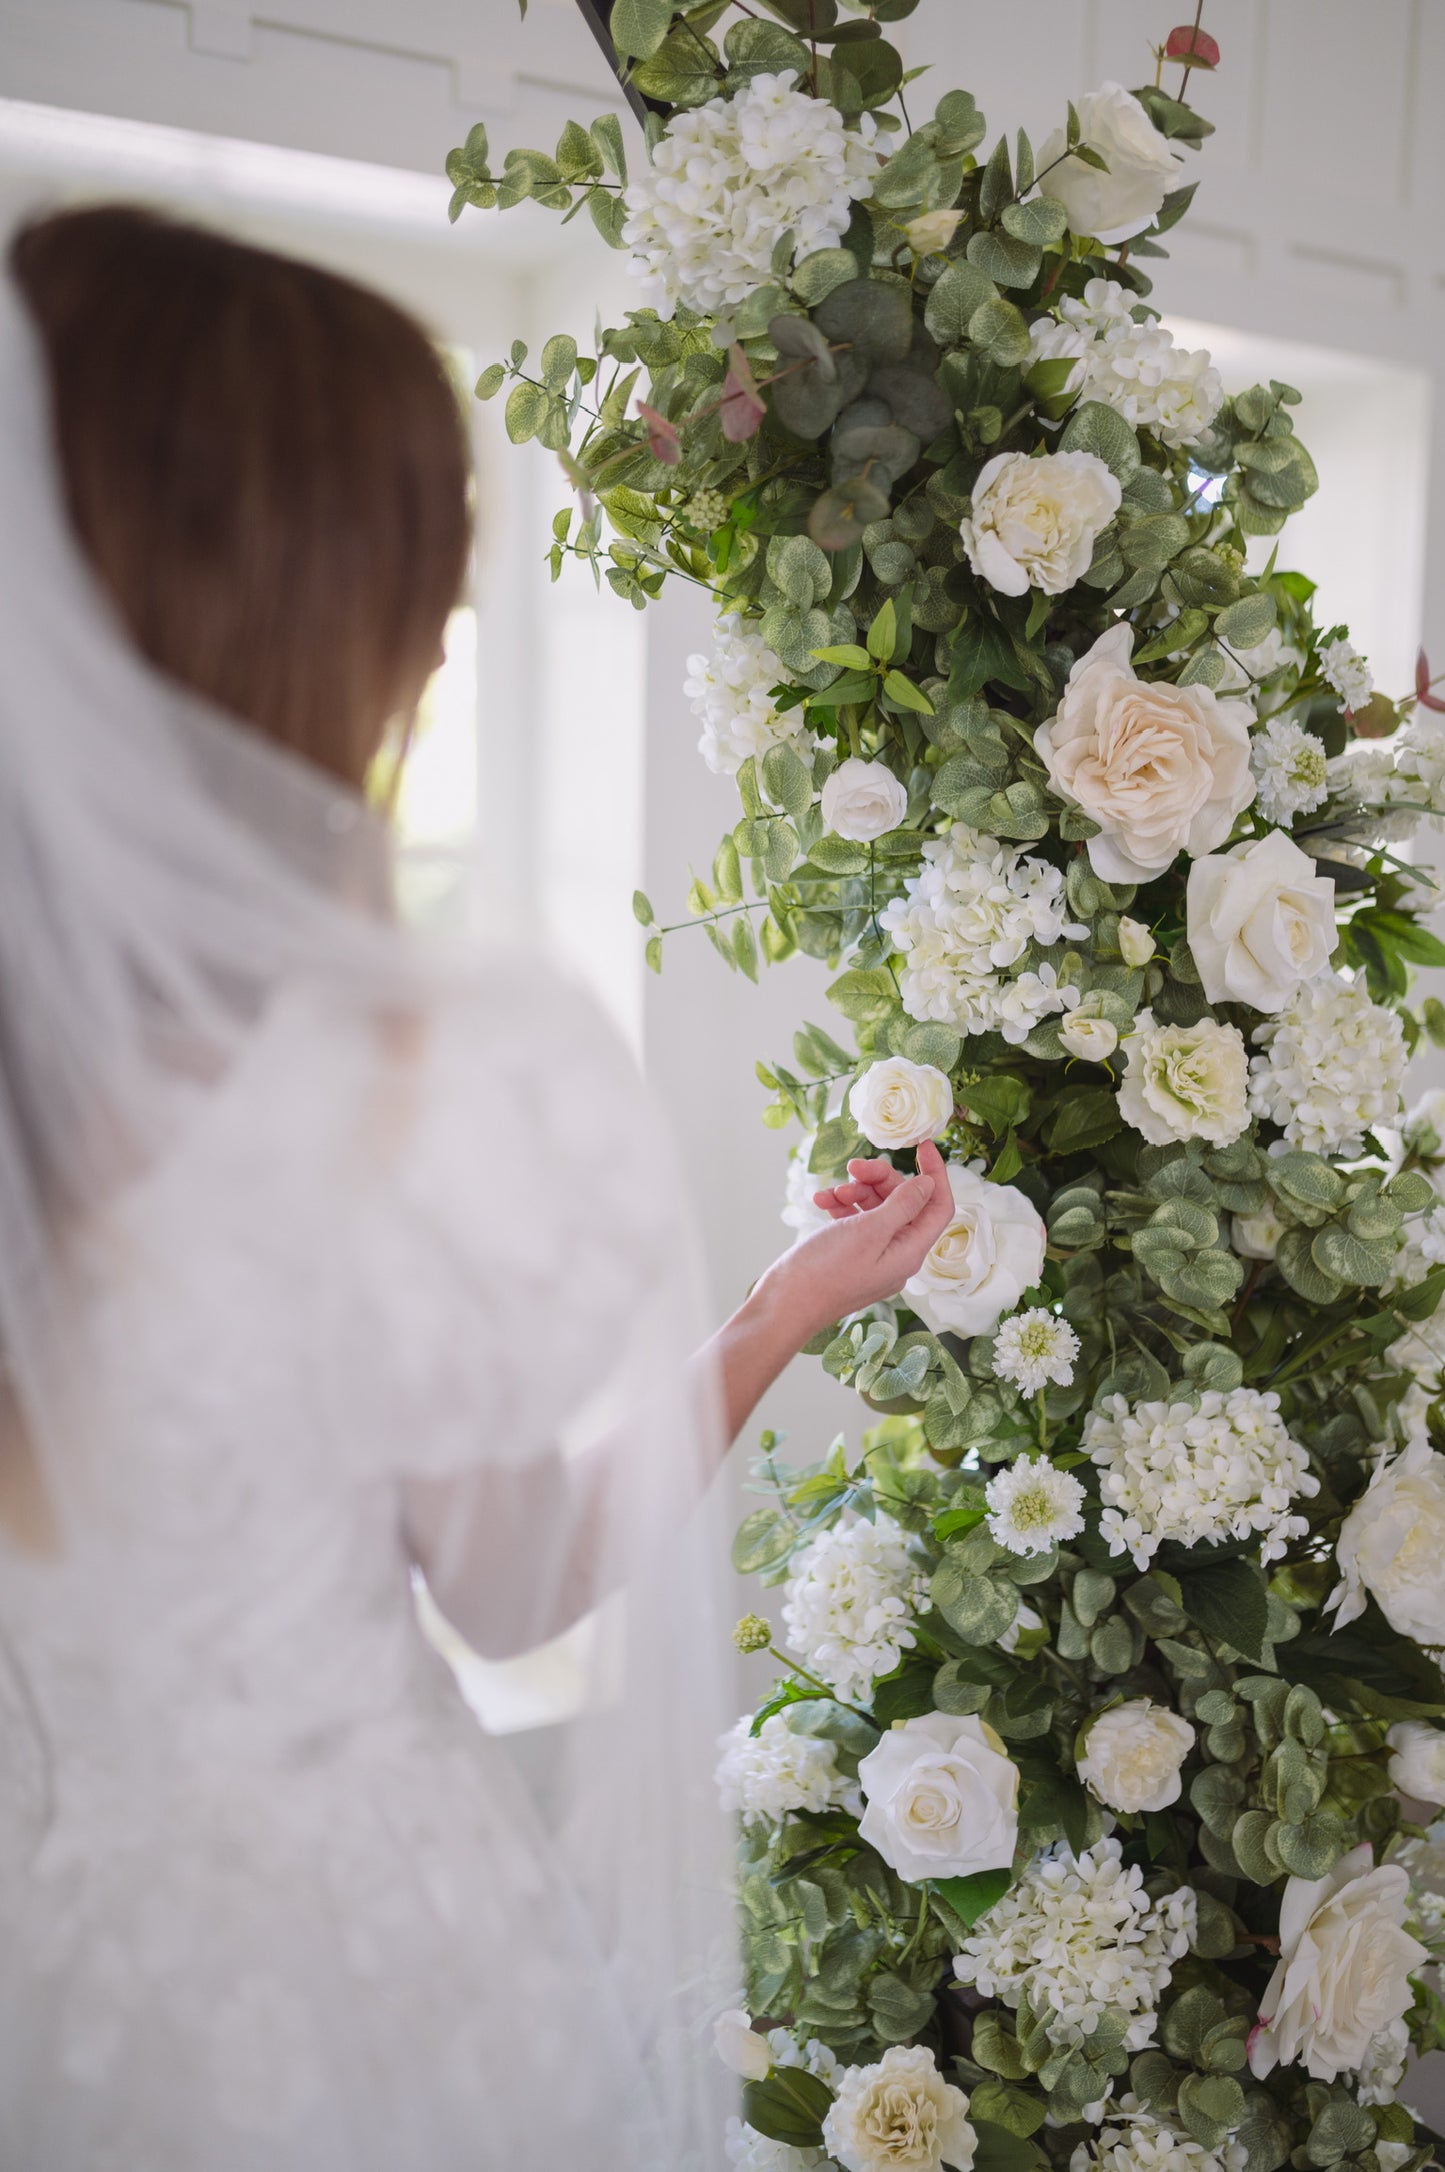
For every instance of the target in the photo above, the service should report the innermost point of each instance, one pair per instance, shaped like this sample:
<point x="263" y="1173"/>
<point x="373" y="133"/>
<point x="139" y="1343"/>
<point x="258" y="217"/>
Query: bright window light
<point x="438" y="802"/>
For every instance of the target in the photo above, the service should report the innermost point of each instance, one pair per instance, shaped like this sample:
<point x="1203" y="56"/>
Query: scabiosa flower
<point x="970" y="915"/>
<point x="1346" y="671"/>
<point x="1227" y="1469"/>
<point x="1032" y="1506"/>
<point x="1035" y="1347"/>
<point x="731" y="693"/>
<point x="1291" y="770"/>
<point x="773" y="1772"/>
<point x="1333" y="1066"/>
<point x="850" y="1602"/>
<point x="728" y="177"/>
<point x="1082" y="1937"/>
<point x="1137" y="2140"/>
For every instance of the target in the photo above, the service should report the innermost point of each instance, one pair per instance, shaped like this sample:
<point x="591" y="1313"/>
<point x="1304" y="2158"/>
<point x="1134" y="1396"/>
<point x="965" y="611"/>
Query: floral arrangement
<point x="1087" y="1821"/>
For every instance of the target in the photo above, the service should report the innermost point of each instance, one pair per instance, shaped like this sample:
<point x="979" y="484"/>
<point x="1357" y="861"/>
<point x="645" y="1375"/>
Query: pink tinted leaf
<point x="1195" y="46"/>
<point x="1423" y="694"/>
<point x="664" y="442"/>
<point x="742" y="405"/>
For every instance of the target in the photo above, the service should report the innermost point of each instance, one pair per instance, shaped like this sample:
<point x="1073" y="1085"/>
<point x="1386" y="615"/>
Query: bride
<point x="329" y="1257"/>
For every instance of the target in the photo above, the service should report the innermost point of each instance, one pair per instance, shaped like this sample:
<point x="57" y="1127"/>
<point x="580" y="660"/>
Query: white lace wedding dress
<point x="269" y="1899"/>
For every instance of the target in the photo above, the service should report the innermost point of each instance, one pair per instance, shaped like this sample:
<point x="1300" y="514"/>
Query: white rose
<point x="899" y="2116"/>
<point x="1136" y="944"/>
<point x="1256" y="1236"/>
<point x="863" y="800"/>
<point x="1343" y="1973"/>
<point x="942" y="1798"/>
<point x="1162" y="769"/>
<point x="897" y="1103"/>
<point x="1392" y="1543"/>
<point x="990" y="1253"/>
<point x="1093" y="1038"/>
<point x="1417" y="1767"/>
<point x="1133" y="1756"/>
<point x="931" y="231"/>
<point x="1185" y="1082"/>
<point x="1036" y="518"/>
<point x="740" y="2047"/>
<point x="1111" y="206"/>
<point x="1260" y="921"/>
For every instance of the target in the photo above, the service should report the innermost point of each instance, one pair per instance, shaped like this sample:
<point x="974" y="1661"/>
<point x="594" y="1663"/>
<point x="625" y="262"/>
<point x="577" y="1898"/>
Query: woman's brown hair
<point x="266" y="465"/>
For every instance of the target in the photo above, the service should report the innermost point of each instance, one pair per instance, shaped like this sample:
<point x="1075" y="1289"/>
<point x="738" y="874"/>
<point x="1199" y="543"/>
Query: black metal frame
<point x="597" y="14"/>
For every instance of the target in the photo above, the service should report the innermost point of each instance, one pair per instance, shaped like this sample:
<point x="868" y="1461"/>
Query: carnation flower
<point x="970" y="916"/>
<point x="850" y="1602"/>
<point x="1082" y="1937"/>
<point x="1133" y="367"/>
<point x="1185" y="1082"/>
<point x="1034" y="1348"/>
<point x="1032" y="1505"/>
<point x="1138" y="2140"/>
<point x="1419" y="774"/>
<point x="1333" y="1067"/>
<point x="1036" y="518"/>
<point x="800" y="1210"/>
<point x="899" y="2116"/>
<point x="1134" y="1754"/>
<point x="1226" y="1469"/>
<point x="1291" y="770"/>
<point x="1343" y="1974"/>
<point x="730" y="692"/>
<point x="769" y="1774"/>
<point x="728" y="177"/>
<point x="1346" y="671"/>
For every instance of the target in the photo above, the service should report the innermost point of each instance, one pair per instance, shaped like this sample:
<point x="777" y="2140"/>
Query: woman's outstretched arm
<point x="467" y="1533"/>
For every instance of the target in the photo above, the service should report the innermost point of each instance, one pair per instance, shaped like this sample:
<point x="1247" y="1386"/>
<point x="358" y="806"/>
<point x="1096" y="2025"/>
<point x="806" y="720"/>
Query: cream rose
<point x="899" y="2116"/>
<point x="1417" y="1765"/>
<point x="1036" y="518"/>
<point x="942" y="1798"/>
<point x="1392" y="1543"/>
<point x="863" y="800"/>
<point x="740" y="2047"/>
<point x="1093" y="1038"/>
<point x="990" y="1253"/>
<point x="931" y="231"/>
<point x="1343" y="1973"/>
<point x="1133" y="1756"/>
<point x="1162" y="769"/>
<point x="1136" y="944"/>
<point x="1185" y="1082"/>
<point x="896" y="1103"/>
<point x="1260" y="921"/>
<point x="1142" y="169"/>
<point x="1256" y="1236"/>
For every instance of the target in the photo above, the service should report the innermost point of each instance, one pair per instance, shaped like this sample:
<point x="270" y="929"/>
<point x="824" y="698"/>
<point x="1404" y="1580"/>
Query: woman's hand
<point x="884" y="1227"/>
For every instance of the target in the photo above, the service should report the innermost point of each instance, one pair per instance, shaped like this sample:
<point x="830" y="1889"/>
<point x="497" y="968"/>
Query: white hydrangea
<point x="769" y="1774"/>
<point x="731" y="694"/>
<point x="1034" y="1348"/>
<point x="1382" y="2069"/>
<point x="850" y="1601"/>
<point x="1033" y="1506"/>
<point x="1132" y="366"/>
<point x="799" y="1211"/>
<point x="1136" y="2140"/>
<point x="970" y="914"/>
<point x="1226" y="1469"/>
<point x="1346" y="671"/>
<point x="1291" y="770"/>
<point x="1333" y="1066"/>
<point x="728" y="178"/>
<point x="1084" y="1938"/>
